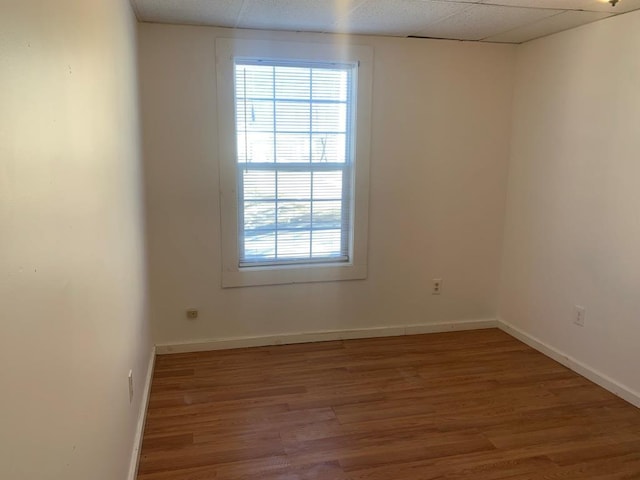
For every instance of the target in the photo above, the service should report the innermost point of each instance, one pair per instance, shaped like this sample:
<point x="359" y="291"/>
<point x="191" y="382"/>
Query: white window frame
<point x="356" y="268"/>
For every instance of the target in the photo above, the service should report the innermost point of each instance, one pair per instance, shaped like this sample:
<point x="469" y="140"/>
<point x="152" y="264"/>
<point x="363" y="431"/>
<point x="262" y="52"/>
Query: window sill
<point x="283" y="275"/>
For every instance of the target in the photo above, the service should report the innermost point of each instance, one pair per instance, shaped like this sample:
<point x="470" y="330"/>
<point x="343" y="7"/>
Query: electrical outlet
<point x="436" y="286"/>
<point x="192" y="313"/>
<point x="130" y="386"/>
<point x="579" y="313"/>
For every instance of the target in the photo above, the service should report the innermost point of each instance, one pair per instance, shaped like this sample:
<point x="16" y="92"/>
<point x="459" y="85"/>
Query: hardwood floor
<point x="475" y="405"/>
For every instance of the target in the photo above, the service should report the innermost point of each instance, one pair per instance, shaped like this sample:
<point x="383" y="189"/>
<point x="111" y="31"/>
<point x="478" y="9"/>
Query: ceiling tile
<point x="480" y="21"/>
<point x="305" y="15"/>
<point x="593" y="5"/>
<point x="547" y="26"/>
<point x="399" y="17"/>
<point x="222" y="13"/>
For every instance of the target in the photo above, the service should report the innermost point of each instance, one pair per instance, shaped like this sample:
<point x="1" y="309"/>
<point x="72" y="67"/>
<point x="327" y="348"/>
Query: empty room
<point x="319" y="239"/>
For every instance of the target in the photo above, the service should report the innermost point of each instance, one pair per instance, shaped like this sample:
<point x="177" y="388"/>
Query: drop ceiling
<point x="507" y="21"/>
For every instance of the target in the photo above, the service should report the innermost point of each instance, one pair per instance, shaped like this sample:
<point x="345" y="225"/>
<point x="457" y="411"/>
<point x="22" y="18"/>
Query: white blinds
<point x="294" y="145"/>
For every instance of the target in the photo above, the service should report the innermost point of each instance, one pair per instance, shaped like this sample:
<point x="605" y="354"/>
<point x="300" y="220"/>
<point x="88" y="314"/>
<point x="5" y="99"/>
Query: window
<point x="293" y="128"/>
<point x="293" y="154"/>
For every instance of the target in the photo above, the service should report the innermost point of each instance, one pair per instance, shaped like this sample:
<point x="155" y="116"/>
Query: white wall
<point x="441" y="122"/>
<point x="72" y="262"/>
<point x="572" y="233"/>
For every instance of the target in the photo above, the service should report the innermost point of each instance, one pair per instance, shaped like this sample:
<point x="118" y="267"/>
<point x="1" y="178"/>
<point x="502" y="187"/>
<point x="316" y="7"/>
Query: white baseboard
<point x="142" y="416"/>
<point x="577" y="366"/>
<point x="305" y="337"/>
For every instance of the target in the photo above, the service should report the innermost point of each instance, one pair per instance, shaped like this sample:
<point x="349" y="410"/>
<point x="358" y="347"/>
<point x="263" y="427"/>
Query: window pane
<point x="259" y="185"/>
<point x="294" y="244"/>
<point x="259" y="215"/>
<point x="329" y="84"/>
<point x="331" y="117"/>
<point x="329" y="147"/>
<point x="294" y="214"/>
<point x="293" y="82"/>
<point x="254" y="81"/>
<point x="327" y="185"/>
<point x="327" y="214"/>
<point x="254" y="115"/>
<point x="294" y="185"/>
<point x="255" y="147"/>
<point x="260" y="246"/>
<point x="292" y="147"/>
<point x="293" y="116"/>
<point x="326" y="242"/>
